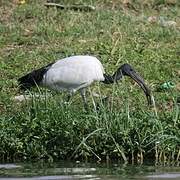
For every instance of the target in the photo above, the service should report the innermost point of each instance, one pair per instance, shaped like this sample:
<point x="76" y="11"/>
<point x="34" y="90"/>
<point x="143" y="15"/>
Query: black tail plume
<point x="33" y="78"/>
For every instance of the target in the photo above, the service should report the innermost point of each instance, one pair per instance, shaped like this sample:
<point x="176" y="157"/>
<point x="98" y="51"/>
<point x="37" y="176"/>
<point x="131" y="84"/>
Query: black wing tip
<point x="25" y="83"/>
<point x="33" y="78"/>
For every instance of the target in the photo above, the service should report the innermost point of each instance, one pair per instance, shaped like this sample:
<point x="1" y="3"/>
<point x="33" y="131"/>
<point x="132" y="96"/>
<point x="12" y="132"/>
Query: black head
<point x="128" y="70"/>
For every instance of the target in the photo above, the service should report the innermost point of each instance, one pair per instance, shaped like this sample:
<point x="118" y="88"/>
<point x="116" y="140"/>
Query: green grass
<point x="32" y="36"/>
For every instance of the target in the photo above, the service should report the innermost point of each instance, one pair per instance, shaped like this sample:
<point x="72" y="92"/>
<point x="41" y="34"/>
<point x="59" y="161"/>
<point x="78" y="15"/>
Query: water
<point x="86" y="171"/>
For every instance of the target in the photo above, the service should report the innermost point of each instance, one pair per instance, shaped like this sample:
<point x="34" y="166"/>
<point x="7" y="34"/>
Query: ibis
<point x="75" y="73"/>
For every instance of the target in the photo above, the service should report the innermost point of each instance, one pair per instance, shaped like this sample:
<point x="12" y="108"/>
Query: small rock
<point x="20" y="98"/>
<point x="171" y="2"/>
<point x="152" y="19"/>
<point x="169" y="23"/>
<point x="161" y="21"/>
<point x="82" y="41"/>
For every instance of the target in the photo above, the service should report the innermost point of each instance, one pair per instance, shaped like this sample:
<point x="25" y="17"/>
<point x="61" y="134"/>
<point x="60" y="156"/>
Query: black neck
<point x="108" y="79"/>
<point x="127" y="70"/>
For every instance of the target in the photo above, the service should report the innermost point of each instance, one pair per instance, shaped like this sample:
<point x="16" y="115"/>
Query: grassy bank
<point x="32" y="36"/>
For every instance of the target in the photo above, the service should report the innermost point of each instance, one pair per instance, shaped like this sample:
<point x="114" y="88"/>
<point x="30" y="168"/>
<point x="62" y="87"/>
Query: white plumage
<point x="73" y="73"/>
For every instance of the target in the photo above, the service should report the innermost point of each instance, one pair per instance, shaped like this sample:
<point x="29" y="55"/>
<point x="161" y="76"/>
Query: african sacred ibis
<point x="75" y="73"/>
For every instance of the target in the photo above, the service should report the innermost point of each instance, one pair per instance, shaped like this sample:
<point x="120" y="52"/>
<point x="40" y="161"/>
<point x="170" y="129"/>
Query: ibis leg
<point x="83" y="95"/>
<point x="68" y="97"/>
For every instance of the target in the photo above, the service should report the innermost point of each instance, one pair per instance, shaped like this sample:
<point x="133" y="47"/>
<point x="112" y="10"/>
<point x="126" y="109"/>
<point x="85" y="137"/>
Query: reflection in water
<point x="64" y="171"/>
<point x="165" y="176"/>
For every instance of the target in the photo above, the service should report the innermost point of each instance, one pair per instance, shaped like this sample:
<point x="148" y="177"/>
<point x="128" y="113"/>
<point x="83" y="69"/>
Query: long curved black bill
<point x="142" y="84"/>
